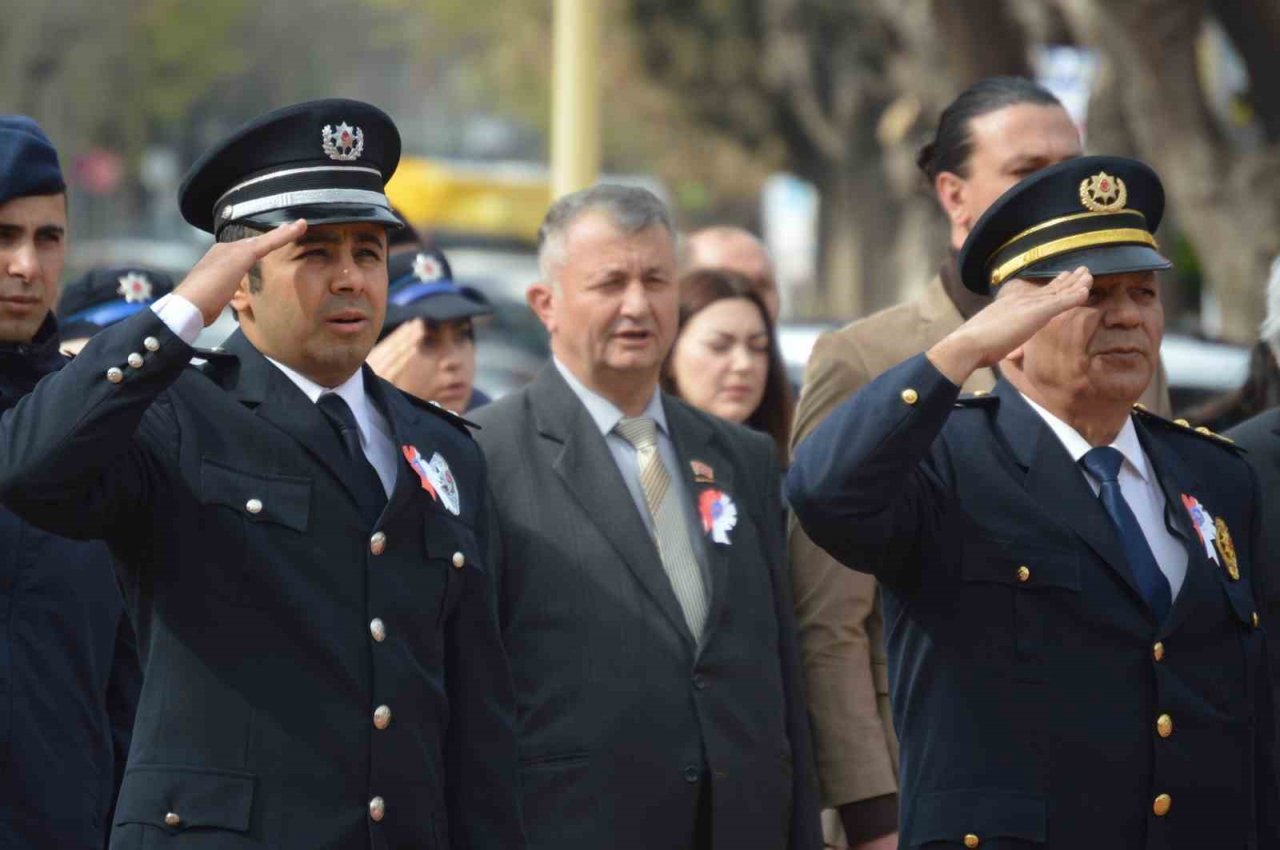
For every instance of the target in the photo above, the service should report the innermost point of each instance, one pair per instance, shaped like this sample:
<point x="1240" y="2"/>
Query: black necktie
<point x="366" y="484"/>
<point x="1103" y="463"/>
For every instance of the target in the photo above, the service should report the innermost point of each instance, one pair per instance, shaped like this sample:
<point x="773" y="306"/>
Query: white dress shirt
<point x="184" y="319"/>
<point x="1139" y="487"/>
<point x="606" y="415"/>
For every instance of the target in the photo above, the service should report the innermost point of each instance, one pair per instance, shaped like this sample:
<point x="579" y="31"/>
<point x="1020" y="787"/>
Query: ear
<point x="952" y="191"/>
<point x="242" y="301"/>
<point x="541" y="297"/>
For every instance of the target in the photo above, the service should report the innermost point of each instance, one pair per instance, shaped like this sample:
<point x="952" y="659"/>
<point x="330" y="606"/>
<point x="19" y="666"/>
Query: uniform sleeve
<point x="71" y="459"/>
<point x="860" y="485"/>
<point x="1266" y="784"/>
<point x="122" y="697"/>
<point x="852" y="742"/>
<point x="806" y="823"/>
<point x="482" y="760"/>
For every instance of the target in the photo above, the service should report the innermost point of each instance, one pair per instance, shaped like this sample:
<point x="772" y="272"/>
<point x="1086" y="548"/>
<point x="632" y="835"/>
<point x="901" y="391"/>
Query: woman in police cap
<point x="428" y="346"/>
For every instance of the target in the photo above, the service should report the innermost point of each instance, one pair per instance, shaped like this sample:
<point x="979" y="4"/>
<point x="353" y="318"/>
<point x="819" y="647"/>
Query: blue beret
<point x="28" y="160"/>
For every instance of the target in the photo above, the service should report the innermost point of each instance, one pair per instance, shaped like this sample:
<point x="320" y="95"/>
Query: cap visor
<point x="437" y="308"/>
<point x="1100" y="260"/>
<point x="322" y="214"/>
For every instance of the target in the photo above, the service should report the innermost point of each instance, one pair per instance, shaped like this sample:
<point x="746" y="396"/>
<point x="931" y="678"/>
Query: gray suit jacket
<point x="623" y="721"/>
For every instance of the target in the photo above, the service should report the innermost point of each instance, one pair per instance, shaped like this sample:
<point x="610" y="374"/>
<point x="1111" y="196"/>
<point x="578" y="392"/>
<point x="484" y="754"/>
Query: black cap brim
<point x="444" y="307"/>
<point x="1100" y="260"/>
<point x="316" y="214"/>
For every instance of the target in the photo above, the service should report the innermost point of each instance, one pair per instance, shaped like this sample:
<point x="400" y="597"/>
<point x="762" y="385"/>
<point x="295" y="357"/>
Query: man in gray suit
<point x="643" y="589"/>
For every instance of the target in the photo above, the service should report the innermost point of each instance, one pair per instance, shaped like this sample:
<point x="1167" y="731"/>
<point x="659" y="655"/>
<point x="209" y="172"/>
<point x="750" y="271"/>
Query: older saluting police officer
<point x="1070" y="584"/>
<point x="303" y="545"/>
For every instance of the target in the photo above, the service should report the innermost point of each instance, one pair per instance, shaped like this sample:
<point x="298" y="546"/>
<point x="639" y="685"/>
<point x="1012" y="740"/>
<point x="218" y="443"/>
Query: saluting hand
<point x="1008" y="322"/>
<point x="213" y="281"/>
<point x="393" y="359"/>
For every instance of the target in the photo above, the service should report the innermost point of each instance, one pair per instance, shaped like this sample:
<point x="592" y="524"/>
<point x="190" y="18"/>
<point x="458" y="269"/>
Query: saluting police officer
<point x="1070" y="585"/>
<point x="304" y="544"/>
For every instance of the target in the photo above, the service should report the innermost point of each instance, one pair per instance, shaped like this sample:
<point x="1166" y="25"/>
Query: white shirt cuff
<point x="181" y="316"/>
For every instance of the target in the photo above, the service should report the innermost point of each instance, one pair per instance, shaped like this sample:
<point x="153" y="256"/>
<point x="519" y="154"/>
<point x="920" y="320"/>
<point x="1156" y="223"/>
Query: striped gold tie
<point x="671" y="531"/>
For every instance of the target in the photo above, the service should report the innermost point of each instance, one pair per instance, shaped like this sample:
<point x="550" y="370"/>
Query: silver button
<point x="382" y="717"/>
<point x="134" y="360"/>
<point x="459" y="560"/>
<point x="253" y="506"/>
<point x="151" y="344"/>
<point x="377" y="808"/>
<point x="378" y="629"/>
<point x="172" y="819"/>
<point x="114" y="375"/>
<point x="378" y="543"/>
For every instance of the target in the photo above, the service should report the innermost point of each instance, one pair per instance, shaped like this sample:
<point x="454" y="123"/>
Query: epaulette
<point x="1185" y="427"/>
<point x="214" y="363"/>
<point x="456" y="420"/>
<point x="978" y="398"/>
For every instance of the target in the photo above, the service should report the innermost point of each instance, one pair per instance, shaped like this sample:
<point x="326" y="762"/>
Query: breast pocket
<point x="250" y="518"/>
<point x="454" y="550"/>
<point x="1024" y="586"/>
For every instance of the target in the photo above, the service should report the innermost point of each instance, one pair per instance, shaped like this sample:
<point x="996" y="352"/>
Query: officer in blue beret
<point x="103" y="296"/>
<point x="1071" y="585"/>
<point x="428" y="345"/>
<point x="69" y="673"/>
<point x="306" y="548"/>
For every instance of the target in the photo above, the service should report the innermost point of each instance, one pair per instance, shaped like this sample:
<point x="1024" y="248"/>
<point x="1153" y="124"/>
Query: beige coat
<point x="837" y="609"/>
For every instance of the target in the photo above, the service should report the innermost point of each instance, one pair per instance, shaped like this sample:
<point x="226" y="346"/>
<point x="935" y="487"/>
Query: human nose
<point x="24" y="262"/>
<point x="635" y="301"/>
<point x="349" y="276"/>
<point x="740" y="359"/>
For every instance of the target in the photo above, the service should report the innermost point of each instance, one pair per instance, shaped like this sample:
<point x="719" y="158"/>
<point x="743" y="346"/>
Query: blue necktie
<point x="1103" y="464"/>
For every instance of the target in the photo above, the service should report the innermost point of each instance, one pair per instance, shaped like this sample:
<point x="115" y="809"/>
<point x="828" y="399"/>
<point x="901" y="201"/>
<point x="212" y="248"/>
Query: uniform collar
<point x="351" y="390"/>
<point x="605" y="413"/>
<point x="1126" y="442"/>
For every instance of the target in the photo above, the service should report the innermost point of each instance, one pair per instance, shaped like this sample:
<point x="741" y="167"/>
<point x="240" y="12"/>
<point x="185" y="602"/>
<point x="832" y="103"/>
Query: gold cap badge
<point x="1103" y="193"/>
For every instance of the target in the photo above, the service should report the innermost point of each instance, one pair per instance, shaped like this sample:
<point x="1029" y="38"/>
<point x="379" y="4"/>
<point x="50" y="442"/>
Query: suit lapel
<point x="695" y="441"/>
<point x="587" y="469"/>
<point x="278" y="400"/>
<point x="1175" y="480"/>
<point x="1052" y="479"/>
<point x="403" y="418"/>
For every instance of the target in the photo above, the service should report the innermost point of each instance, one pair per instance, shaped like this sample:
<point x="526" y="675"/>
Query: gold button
<point x="172" y="819"/>
<point x="971" y="841"/>
<point x="1161" y="805"/>
<point x="382" y="717"/>
<point x="378" y="629"/>
<point x="151" y="344"/>
<point x="459" y="560"/>
<point x="377" y="809"/>
<point x="979" y="393"/>
<point x="378" y="543"/>
<point x="910" y="396"/>
<point x="114" y="375"/>
<point x="1024" y="574"/>
<point x="1164" y="726"/>
<point x="1184" y="423"/>
<point x="1255" y="619"/>
<point x="134" y="360"/>
<point x="253" y="506"/>
<point x="1137" y="405"/>
<point x="1203" y="430"/>
<point x="1157" y="651"/>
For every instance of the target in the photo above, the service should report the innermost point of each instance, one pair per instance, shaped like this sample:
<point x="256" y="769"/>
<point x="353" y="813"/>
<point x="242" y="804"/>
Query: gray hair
<point x="630" y="209"/>
<point x="1270" y="330"/>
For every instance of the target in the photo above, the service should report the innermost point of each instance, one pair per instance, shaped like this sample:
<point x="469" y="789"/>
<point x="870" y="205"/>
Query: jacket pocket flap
<point x="1015" y="563"/>
<point x="445" y="537"/>
<point x="182" y="797"/>
<point x="986" y="813"/>
<point x="282" y="499"/>
<point x="1240" y="595"/>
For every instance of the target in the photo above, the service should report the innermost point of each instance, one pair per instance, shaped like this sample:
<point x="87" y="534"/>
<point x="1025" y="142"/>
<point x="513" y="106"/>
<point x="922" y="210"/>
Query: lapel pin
<point x="1227" y="549"/>
<point x="719" y="514"/>
<point x="702" y="473"/>
<point x="418" y="465"/>
<point x="1204" y="525"/>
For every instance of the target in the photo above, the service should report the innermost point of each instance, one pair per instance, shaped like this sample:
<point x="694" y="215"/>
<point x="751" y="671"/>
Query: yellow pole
<point x="575" y="101"/>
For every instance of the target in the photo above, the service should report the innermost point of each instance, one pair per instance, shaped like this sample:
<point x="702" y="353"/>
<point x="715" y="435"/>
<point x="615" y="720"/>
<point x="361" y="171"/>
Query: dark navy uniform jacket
<point x="272" y="622"/>
<point x="69" y="674"/>
<point x="1028" y="676"/>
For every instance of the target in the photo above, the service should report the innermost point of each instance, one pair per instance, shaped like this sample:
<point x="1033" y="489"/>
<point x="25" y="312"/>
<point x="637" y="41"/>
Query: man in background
<point x="69" y="675"/>
<point x="738" y="250"/>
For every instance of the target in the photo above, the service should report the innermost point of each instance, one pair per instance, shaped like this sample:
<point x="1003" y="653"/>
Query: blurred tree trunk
<point x="1229" y="198"/>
